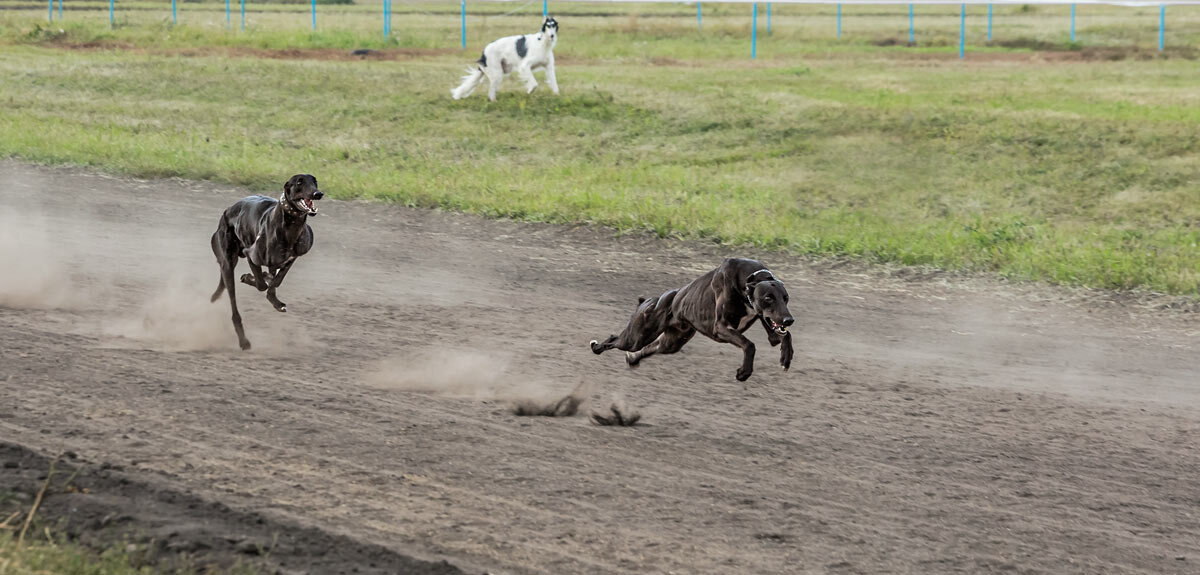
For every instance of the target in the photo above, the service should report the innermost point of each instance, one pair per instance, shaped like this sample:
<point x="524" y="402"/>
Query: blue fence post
<point x="545" y="9"/>
<point x="50" y="10"/>
<point x="463" y="10"/>
<point x="911" y="33"/>
<point x="699" y="21"/>
<point x="989" y="22"/>
<point x="1162" y="26"/>
<point x="314" y="15"/>
<point x="962" y="33"/>
<point x="839" y="21"/>
<point x="174" y="14"/>
<point x="112" y="18"/>
<point x="754" y="33"/>
<point x="768" y="18"/>
<point x="385" y="18"/>
<point x="228" y="20"/>
<point x="1072" y="23"/>
<point x="243" y="15"/>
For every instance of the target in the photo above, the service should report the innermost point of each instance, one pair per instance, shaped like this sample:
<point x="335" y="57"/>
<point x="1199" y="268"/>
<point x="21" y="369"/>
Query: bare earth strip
<point x="927" y="425"/>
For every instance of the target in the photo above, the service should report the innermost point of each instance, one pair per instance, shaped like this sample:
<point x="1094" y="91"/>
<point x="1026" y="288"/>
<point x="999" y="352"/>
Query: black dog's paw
<point x="631" y="359"/>
<point x="743" y="374"/>
<point x="249" y="280"/>
<point x="245" y="344"/>
<point x="595" y="347"/>
<point x="785" y="356"/>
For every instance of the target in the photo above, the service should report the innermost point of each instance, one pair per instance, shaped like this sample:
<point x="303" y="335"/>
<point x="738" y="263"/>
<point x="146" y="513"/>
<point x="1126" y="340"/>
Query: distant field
<point x="1035" y="158"/>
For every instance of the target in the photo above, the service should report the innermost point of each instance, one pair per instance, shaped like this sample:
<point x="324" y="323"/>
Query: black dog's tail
<point x="222" y="236"/>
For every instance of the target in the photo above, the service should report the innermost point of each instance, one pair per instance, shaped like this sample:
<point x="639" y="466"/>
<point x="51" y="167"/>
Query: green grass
<point x="44" y="557"/>
<point x="1083" y="173"/>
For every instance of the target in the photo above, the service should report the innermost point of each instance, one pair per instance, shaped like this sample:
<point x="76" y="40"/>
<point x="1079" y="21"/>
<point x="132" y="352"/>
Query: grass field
<point x="1076" y="164"/>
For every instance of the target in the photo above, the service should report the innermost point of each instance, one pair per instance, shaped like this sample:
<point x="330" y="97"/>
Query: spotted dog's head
<point x="550" y="28"/>
<point x="769" y="299"/>
<point x="300" y="192"/>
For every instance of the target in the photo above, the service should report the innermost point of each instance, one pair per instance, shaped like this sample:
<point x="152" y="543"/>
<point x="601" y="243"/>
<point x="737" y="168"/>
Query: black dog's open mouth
<point x="306" y="205"/>
<point x="779" y="329"/>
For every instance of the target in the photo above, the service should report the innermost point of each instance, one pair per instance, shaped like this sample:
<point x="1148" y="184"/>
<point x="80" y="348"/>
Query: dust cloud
<point x="36" y="275"/>
<point x="471" y="374"/>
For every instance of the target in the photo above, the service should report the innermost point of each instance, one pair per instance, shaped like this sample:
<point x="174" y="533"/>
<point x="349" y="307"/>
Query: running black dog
<point x="268" y="232"/>
<point x="721" y="304"/>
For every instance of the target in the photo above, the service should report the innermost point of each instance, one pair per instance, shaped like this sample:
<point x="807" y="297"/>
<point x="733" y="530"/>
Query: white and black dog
<point x="521" y="53"/>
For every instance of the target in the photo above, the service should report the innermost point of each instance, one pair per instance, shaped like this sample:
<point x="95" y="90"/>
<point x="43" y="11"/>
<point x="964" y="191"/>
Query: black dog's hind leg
<point x="220" y="251"/>
<point x="275" y="281"/>
<point x="227" y="250"/>
<point x="601" y="347"/>
<point x="670" y="341"/>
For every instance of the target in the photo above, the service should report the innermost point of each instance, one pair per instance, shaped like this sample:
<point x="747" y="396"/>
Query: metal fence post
<point x="754" y="33"/>
<point x="989" y="22"/>
<point x="1162" y="26"/>
<point x="962" y="32"/>
<point x="1072" y="23"/>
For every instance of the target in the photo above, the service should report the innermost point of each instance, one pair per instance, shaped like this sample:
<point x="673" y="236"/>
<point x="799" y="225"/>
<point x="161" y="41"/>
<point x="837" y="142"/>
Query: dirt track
<point x="927" y="425"/>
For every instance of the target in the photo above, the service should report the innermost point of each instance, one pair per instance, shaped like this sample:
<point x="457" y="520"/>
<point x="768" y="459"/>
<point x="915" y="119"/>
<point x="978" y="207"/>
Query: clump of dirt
<point x="565" y="407"/>
<point x="619" y="415"/>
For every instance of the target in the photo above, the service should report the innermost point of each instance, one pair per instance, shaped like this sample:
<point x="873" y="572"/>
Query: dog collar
<point x="286" y="204"/>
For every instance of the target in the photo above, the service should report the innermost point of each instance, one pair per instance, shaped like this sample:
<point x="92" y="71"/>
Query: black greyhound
<point x="721" y="304"/>
<point x="268" y="232"/>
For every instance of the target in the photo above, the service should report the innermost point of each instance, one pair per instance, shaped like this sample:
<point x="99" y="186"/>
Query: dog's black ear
<point x="641" y="300"/>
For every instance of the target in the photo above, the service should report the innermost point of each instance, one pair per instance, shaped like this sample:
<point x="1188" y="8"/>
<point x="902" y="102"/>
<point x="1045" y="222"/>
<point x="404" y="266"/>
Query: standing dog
<point x="268" y="232"/>
<point x="721" y="304"/>
<point x="521" y="53"/>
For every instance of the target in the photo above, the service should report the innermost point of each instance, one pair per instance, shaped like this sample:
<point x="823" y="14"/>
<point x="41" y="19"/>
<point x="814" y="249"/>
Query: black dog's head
<point x="550" y="27"/>
<point x="299" y="193"/>
<point x="769" y="299"/>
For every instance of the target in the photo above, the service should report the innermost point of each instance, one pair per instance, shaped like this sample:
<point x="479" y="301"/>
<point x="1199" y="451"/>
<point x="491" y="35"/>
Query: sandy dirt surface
<point x="929" y="424"/>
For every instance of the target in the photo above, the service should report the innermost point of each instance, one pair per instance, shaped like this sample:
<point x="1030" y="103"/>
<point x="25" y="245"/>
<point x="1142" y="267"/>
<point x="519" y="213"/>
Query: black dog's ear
<point x="641" y="300"/>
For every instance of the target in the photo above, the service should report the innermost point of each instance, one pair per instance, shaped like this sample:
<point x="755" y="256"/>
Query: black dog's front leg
<point x="785" y="353"/>
<point x="255" y="277"/>
<point x="275" y="281"/>
<point x="731" y="335"/>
